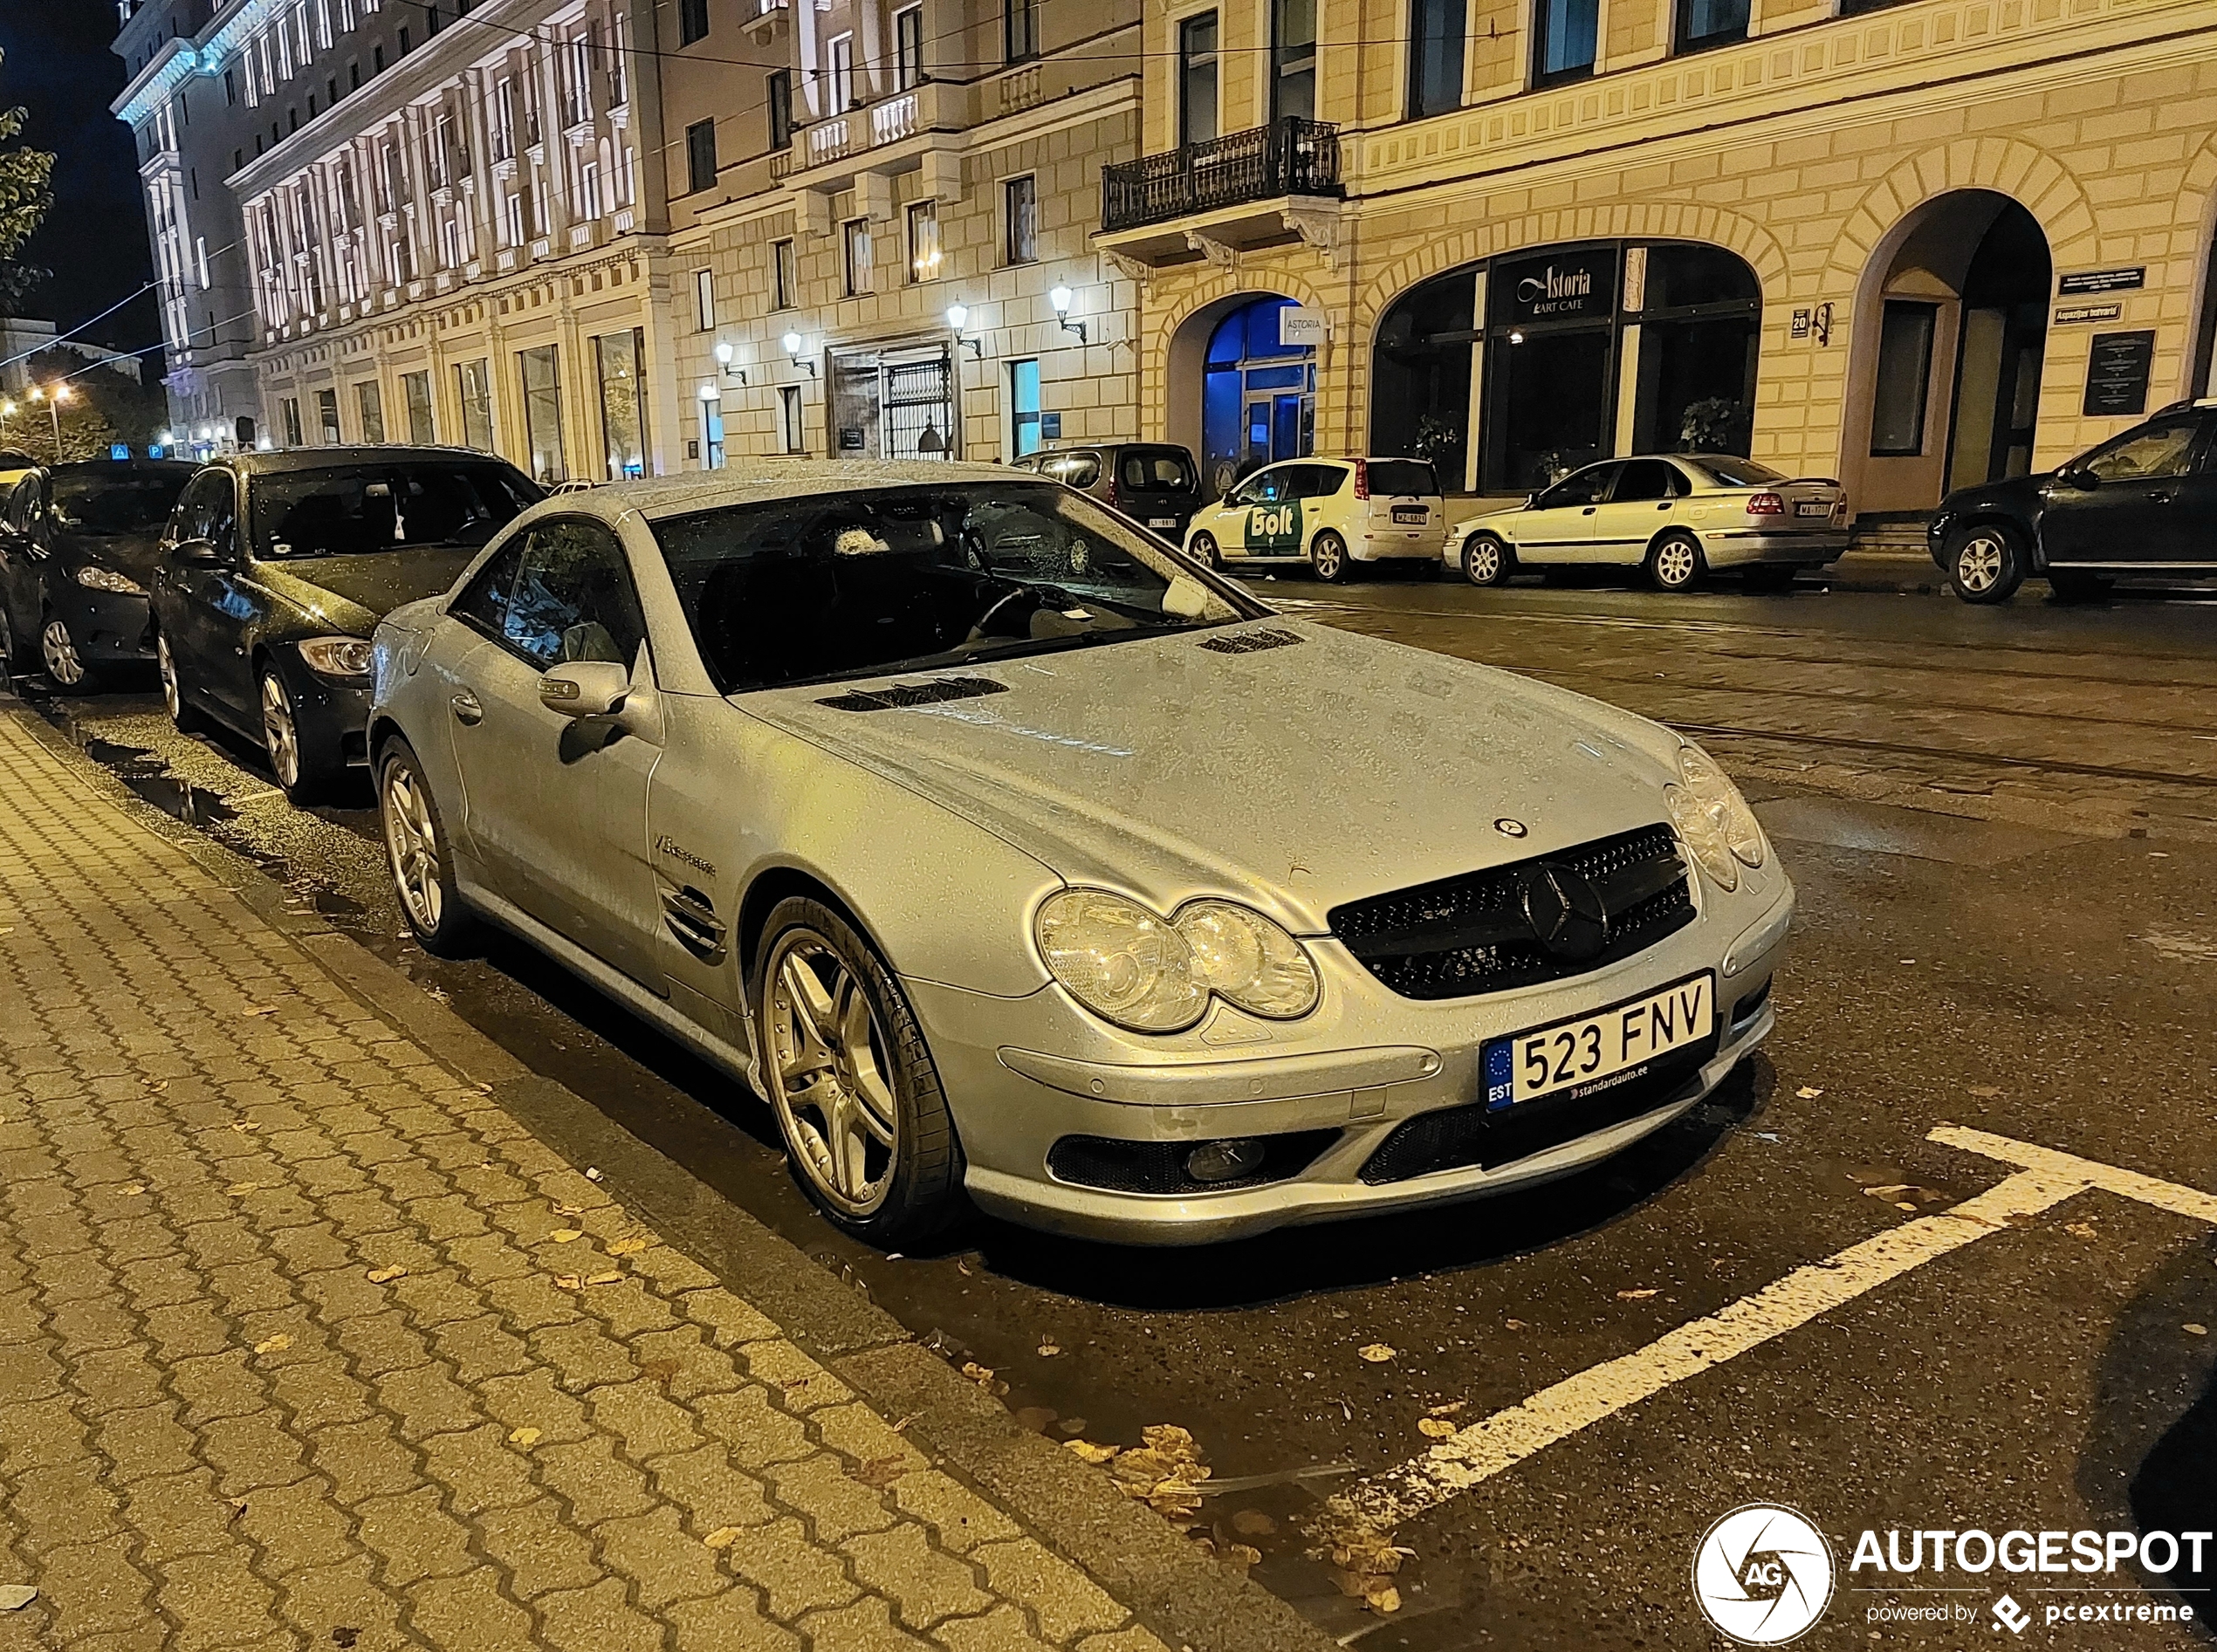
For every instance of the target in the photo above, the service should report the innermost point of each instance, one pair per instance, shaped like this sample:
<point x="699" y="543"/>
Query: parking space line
<point x="2044" y="1178"/>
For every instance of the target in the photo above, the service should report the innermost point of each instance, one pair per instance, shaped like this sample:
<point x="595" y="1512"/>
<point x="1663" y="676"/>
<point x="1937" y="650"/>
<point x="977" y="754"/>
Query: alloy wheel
<point x="172" y="693"/>
<point x="58" y="649"/>
<point x="831" y="1079"/>
<point x="1674" y="563"/>
<point x="1482" y="562"/>
<point x="1978" y="563"/>
<point x="412" y="845"/>
<point x="1327" y="555"/>
<point x="280" y="731"/>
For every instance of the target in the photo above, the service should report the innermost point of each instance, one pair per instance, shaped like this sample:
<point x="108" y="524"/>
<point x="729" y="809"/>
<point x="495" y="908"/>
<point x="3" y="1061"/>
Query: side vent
<point x="1250" y="642"/>
<point x="693" y="924"/>
<point x="908" y="693"/>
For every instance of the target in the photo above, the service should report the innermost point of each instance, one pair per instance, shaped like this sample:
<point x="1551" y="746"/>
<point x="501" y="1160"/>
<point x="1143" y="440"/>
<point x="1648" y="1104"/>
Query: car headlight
<point x="345" y="659"/>
<point x="1713" y="819"/>
<point x="107" y="580"/>
<point x="1154" y="974"/>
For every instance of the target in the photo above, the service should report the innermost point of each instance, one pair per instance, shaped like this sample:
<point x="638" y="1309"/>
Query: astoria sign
<point x="1575" y="286"/>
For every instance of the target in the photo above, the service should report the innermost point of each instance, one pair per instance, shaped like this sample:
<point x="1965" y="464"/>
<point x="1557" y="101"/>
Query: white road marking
<point x="2044" y="1178"/>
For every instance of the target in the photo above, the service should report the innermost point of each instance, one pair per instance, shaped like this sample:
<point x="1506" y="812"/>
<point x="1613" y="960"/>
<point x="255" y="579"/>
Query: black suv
<point x="1155" y="483"/>
<point x="2144" y="503"/>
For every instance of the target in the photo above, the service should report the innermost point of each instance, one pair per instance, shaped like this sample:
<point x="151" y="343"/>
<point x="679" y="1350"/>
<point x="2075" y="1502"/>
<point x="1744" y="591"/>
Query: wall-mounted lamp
<point x="1060" y="298"/>
<point x="708" y="393"/>
<point x="958" y="319"/>
<point x="795" y="344"/>
<point x="1516" y="338"/>
<point x="724" y="354"/>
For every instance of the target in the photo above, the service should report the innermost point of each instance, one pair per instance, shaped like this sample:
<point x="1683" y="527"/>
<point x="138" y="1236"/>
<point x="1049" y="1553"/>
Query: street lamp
<point x="795" y="344"/>
<point x="958" y="319"/>
<point x="724" y="354"/>
<point x="1060" y="298"/>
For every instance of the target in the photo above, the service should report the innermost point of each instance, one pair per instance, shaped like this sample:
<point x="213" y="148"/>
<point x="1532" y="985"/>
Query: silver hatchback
<point x="1005" y="852"/>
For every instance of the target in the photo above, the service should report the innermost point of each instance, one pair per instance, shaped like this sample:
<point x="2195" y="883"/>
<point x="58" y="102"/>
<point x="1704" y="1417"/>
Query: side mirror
<point x="585" y="687"/>
<point x="2079" y="476"/>
<point x="196" y="550"/>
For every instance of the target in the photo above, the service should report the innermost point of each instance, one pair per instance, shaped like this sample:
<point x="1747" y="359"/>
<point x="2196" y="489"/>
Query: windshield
<point x="864" y="583"/>
<point x="362" y="508"/>
<point x="1727" y="472"/>
<point x="116" y="501"/>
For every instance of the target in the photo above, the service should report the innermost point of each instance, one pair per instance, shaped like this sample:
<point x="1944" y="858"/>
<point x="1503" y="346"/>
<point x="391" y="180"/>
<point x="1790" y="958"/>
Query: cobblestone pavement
<point x="304" y="1341"/>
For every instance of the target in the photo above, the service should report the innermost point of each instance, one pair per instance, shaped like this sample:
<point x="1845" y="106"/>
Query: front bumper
<point x="333" y="717"/>
<point x="1370" y="1061"/>
<point x="1747" y="547"/>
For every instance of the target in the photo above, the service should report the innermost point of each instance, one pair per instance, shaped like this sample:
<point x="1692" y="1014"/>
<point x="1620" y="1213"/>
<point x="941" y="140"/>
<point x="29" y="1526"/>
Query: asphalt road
<point x="2001" y="822"/>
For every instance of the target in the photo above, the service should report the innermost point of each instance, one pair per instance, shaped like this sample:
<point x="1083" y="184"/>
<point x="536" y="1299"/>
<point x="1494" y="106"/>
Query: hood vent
<point x="1250" y="642"/>
<point x="909" y="694"/>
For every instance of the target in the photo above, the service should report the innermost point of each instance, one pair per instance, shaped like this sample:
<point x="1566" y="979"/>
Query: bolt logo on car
<point x="1763" y="1575"/>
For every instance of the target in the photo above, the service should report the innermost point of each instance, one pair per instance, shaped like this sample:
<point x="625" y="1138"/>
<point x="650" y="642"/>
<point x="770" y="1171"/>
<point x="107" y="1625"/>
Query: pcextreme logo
<point x="1762" y="1574"/>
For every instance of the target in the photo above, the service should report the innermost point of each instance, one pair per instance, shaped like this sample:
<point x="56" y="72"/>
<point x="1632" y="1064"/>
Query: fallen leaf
<point x="277" y="1344"/>
<point x="1381" y="1598"/>
<point x="258" y="1009"/>
<point x="157" y="1085"/>
<point x="627" y="1247"/>
<point x="524" y="1437"/>
<point x="2079" y="1229"/>
<point x="723" y="1537"/>
<point x="1984" y="1092"/>
<point x="1454" y="1407"/>
<point x="1512" y="1324"/>
<point x="1374" y="1353"/>
<point x="1048" y="1350"/>
<point x="1807" y="1093"/>
<point x="1436" y="1428"/>
<point x="563" y="1235"/>
<point x="1037" y="1418"/>
<point x="385" y="1276"/>
<point x="132" y="1190"/>
<point x="1242" y="1555"/>
<point x="569" y="1209"/>
<point x="881" y="1472"/>
<point x="244" y="1126"/>
<point x="984" y="1377"/>
<point x="604" y="1278"/>
<point x="1254" y="1522"/>
<point x="591" y="1173"/>
<point x="1637" y="1296"/>
<point x="1086" y="1451"/>
<point x="568" y="1282"/>
<point x="484" y="1089"/>
<point x="15" y="1596"/>
<point x="2197" y="1330"/>
<point x="238" y="1507"/>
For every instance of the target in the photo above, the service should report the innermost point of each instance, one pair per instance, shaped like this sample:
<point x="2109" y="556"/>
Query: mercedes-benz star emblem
<point x="1509" y="828"/>
<point x="1565" y="911"/>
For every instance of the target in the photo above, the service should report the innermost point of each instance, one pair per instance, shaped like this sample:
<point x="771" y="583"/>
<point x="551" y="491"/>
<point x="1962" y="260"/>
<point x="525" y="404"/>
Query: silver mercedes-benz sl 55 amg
<point x="1007" y="853"/>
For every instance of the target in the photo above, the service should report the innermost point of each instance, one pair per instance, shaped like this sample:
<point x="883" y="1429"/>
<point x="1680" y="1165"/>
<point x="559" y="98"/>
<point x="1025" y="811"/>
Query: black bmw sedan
<point x="2143" y="504"/>
<point x="77" y="545"/>
<point x="278" y="565"/>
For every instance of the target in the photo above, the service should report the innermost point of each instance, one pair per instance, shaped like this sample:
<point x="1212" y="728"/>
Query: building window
<point x="1293" y="59"/>
<point x="1563" y="39"/>
<point x="327" y="416"/>
<point x="779" y="88"/>
<point x="1904" y="378"/>
<point x="700" y="154"/>
<point x="543" y="413"/>
<point x="1196" y="80"/>
<point x="621" y="359"/>
<point x="405" y="43"/>
<point x="369" y="399"/>
<point x="789" y="416"/>
<point x="908" y="48"/>
<point x="1436" y="32"/>
<point x="473" y="389"/>
<point x="923" y="240"/>
<point x="1020" y="214"/>
<point x="230" y="85"/>
<point x="1711" y="23"/>
<point x="692" y="21"/>
<point x="704" y="297"/>
<point x="1024" y="408"/>
<point x="840" y="55"/>
<point x="415" y="390"/>
<point x="784" y="281"/>
<point x="290" y="408"/>
<point x="1020" y="29"/>
<point x="711" y="442"/>
<point x="855" y="235"/>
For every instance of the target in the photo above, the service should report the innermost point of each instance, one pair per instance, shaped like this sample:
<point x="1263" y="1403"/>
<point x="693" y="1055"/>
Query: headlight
<point x="104" y="579"/>
<point x="1153" y="974"/>
<point x="1713" y="818"/>
<point x="347" y="659"/>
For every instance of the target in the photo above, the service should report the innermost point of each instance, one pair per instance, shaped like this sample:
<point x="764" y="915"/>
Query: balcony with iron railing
<point x="1290" y="157"/>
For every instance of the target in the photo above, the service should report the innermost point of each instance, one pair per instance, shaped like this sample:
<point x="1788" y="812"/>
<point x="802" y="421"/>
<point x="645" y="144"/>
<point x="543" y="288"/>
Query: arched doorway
<point x="1947" y="357"/>
<point x="1240" y="396"/>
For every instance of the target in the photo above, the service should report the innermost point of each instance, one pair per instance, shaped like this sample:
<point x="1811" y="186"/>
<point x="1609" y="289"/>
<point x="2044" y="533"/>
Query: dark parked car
<point x="2144" y="503"/>
<point x="1155" y="483"/>
<point x="278" y="567"/>
<point x="77" y="545"/>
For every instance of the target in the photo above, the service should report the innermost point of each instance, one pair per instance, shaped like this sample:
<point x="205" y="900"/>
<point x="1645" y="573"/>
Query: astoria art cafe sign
<point x="1565" y="286"/>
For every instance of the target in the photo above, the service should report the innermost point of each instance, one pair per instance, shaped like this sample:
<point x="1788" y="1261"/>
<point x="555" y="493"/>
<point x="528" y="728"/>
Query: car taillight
<point x="1766" y="505"/>
<point x="1362" y="478"/>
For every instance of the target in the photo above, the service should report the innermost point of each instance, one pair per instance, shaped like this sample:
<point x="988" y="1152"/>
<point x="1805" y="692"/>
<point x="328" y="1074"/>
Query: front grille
<point x="1159" y="1166"/>
<point x="1468" y="934"/>
<point x="1454" y="1138"/>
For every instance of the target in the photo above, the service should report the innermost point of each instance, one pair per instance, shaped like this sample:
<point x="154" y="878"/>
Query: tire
<point x="1675" y="563"/>
<point x="1986" y="562"/>
<point x="1203" y="550"/>
<point x="1329" y="559"/>
<point x="2071" y="585"/>
<point x="1769" y="577"/>
<point x="876" y="1151"/>
<point x="416" y="856"/>
<point x="187" y="718"/>
<point x="308" y="774"/>
<point x="1487" y="561"/>
<point x="57" y="652"/>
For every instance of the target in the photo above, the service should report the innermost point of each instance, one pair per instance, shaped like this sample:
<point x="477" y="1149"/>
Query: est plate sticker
<point x="1580" y="1056"/>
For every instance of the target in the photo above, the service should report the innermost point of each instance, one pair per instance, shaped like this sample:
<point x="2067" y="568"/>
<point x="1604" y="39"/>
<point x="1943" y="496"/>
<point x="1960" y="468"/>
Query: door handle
<point x="467" y="708"/>
<point x="1665" y="505"/>
<point x="1589" y="510"/>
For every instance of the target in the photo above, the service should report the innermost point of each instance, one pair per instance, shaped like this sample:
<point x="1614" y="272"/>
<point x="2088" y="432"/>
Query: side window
<point x="1589" y="486"/>
<point x="573" y="599"/>
<point x="1642" y="479"/>
<point x="482" y="604"/>
<point x="1321" y="481"/>
<point x="2157" y="449"/>
<point x="205" y="511"/>
<point x="23" y="505"/>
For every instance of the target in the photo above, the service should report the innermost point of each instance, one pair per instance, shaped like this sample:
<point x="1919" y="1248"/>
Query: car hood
<point x="2012" y="493"/>
<point x="352" y="593"/>
<point x="1294" y="776"/>
<point x="135" y="554"/>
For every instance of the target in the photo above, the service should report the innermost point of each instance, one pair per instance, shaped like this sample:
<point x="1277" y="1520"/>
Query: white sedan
<point x="1676" y="515"/>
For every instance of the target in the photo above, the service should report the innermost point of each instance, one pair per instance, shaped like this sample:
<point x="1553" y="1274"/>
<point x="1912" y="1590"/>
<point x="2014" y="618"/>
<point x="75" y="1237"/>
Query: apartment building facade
<point x="1910" y="243"/>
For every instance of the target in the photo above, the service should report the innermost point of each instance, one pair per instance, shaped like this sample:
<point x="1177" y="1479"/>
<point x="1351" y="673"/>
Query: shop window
<point x="1904" y="378"/>
<point x="1024" y="408"/>
<point x="1711" y="23"/>
<point x="542" y="387"/>
<point x="327" y="416"/>
<point x="1436" y="32"/>
<point x="1293" y="59"/>
<point x="473" y="391"/>
<point x="369" y="401"/>
<point x="621" y="359"/>
<point x="1564" y="38"/>
<point x="1700" y="309"/>
<point x="1420" y="374"/>
<point x="1196" y="80"/>
<point x="290" y="407"/>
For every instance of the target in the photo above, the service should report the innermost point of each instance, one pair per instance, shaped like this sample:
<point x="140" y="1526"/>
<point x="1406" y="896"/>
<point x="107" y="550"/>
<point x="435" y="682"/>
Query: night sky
<point x="59" y="66"/>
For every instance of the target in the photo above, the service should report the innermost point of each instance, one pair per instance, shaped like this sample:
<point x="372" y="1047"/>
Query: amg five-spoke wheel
<point x="415" y="852"/>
